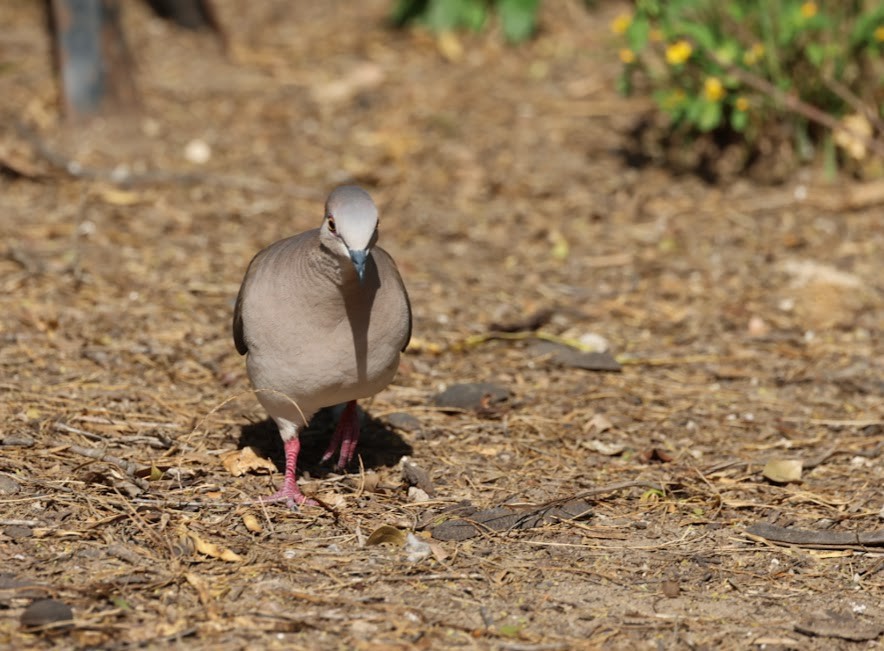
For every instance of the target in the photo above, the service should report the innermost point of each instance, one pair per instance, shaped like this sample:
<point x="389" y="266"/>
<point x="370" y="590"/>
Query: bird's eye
<point x="331" y="224"/>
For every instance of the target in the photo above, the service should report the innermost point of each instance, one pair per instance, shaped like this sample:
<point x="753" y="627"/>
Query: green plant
<point x="517" y="17"/>
<point x="747" y="65"/>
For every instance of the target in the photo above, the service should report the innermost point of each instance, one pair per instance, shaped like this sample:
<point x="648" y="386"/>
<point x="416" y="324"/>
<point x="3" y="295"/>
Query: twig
<point x="127" y="467"/>
<point x="834" y="422"/>
<point x="796" y="104"/>
<point x="816" y="539"/>
<point x="858" y="105"/>
<point x="153" y="441"/>
<point x="21" y="523"/>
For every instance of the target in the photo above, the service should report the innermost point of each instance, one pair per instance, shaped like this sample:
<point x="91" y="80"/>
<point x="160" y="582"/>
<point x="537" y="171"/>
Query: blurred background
<point x="691" y="190"/>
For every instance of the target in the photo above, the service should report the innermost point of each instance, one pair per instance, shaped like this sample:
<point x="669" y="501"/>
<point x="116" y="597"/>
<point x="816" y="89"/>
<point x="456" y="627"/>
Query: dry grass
<point x="502" y="193"/>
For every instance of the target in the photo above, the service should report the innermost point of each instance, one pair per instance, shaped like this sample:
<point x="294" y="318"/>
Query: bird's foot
<point x="288" y="493"/>
<point x="293" y="497"/>
<point x="346" y="437"/>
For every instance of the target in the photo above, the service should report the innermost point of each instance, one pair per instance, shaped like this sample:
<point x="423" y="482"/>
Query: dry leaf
<point x="450" y="47"/>
<point x="117" y="197"/>
<point x="418" y="345"/>
<point x="853" y="134"/>
<point x="783" y="471"/>
<point x="599" y="423"/>
<point x="386" y="534"/>
<point x="560" y="246"/>
<point x="211" y="549"/>
<point x="605" y="448"/>
<point x="202" y="591"/>
<point x="252" y="523"/>
<point x="239" y="462"/>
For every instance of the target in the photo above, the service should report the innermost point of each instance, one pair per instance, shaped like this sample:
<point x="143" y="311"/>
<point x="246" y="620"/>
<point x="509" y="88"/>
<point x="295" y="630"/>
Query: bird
<point x="322" y="318"/>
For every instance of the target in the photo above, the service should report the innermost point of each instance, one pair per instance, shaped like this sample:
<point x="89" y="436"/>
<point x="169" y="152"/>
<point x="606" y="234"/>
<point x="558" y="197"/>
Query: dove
<point x="322" y="318"/>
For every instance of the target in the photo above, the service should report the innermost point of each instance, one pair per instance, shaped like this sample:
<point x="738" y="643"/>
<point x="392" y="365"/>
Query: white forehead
<point x="350" y="200"/>
<point x="355" y="215"/>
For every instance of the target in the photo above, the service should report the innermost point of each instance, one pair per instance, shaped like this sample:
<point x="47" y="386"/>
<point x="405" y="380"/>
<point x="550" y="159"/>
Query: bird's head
<point x="350" y="226"/>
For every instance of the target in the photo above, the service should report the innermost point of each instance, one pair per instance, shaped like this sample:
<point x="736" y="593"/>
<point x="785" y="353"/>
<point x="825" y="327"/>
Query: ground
<point x="747" y="319"/>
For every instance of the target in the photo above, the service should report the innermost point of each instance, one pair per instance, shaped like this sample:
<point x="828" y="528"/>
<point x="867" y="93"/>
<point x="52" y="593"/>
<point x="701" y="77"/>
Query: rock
<point x="403" y="422"/>
<point x="563" y="355"/>
<point x="8" y="486"/>
<point x="44" y="612"/>
<point x="472" y="396"/>
<point x="417" y="477"/>
<point x="17" y="440"/>
<point x="18" y="532"/>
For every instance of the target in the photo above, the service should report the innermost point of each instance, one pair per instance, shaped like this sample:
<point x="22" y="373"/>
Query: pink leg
<point x="289" y="491"/>
<point x="346" y="437"/>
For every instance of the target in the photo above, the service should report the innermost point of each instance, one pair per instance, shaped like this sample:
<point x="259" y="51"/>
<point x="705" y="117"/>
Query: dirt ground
<point x="747" y="319"/>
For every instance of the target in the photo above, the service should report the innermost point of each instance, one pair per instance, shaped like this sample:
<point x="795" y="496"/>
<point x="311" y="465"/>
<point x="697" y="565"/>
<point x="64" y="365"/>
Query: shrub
<point x="517" y="17"/>
<point x="749" y="65"/>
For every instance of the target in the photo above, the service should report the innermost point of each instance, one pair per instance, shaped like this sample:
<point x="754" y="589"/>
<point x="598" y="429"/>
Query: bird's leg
<point x="289" y="491"/>
<point x="346" y="437"/>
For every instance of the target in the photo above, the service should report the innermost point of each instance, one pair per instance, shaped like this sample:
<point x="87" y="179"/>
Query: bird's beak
<point x="359" y="258"/>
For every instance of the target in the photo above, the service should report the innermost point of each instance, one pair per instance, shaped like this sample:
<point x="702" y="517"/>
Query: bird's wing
<point x="239" y="337"/>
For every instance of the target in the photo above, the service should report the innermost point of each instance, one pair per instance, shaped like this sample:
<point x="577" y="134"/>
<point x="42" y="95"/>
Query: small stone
<point x="594" y="342"/>
<point x="477" y="395"/>
<point x="18" y="532"/>
<point x="416" y="548"/>
<point x="44" y="612"/>
<point x="17" y="440"/>
<point x="416" y="494"/>
<point x="8" y="486"/>
<point x="757" y="327"/>
<point x="563" y="355"/>
<point x="404" y="422"/>
<point x="198" y="152"/>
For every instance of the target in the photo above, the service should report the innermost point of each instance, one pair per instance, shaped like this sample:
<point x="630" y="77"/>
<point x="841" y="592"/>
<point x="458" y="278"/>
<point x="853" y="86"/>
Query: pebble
<point x="46" y="611"/>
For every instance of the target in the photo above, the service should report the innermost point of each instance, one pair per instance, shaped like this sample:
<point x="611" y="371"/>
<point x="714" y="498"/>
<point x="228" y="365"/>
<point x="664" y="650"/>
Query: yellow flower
<point x="621" y="23"/>
<point x="879" y="33"/>
<point x="678" y="53"/>
<point x="627" y="55"/>
<point x="809" y="10"/>
<point x="741" y="104"/>
<point x="713" y="89"/>
<point x="753" y="54"/>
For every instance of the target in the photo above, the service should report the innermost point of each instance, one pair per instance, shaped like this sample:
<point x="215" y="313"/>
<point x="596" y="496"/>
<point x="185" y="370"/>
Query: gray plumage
<point x="322" y="317"/>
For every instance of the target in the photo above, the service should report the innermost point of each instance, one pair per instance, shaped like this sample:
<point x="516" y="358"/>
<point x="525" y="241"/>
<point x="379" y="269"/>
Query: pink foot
<point x="346" y="437"/>
<point x="289" y="491"/>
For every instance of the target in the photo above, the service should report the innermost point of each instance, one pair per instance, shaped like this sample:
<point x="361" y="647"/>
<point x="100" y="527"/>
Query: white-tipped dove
<point x="322" y="317"/>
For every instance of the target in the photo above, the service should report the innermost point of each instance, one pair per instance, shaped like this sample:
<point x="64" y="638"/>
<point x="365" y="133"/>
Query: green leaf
<point x="637" y="34"/>
<point x="473" y="15"/>
<point x="864" y="28"/>
<point x="624" y="84"/>
<point x="446" y="15"/>
<point x="518" y="18"/>
<point x="701" y="34"/>
<point x="710" y="116"/>
<point x="407" y="10"/>
<point x="729" y="51"/>
<point x="739" y="120"/>
<point x="693" y="110"/>
<point x="830" y="158"/>
<point x="816" y="53"/>
<point x="736" y="11"/>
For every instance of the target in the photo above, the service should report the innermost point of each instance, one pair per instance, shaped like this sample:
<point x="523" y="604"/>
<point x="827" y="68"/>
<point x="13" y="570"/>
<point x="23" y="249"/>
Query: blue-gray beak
<point x="359" y="258"/>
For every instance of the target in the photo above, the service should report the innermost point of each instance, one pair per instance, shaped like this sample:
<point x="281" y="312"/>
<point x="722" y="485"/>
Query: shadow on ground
<point x="379" y="446"/>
